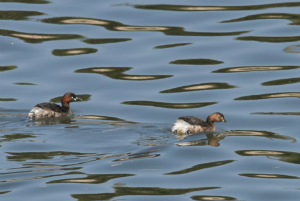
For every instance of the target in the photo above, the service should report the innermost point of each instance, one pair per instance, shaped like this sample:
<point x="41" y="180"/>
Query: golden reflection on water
<point x="118" y="73"/>
<point x="254" y="68"/>
<point x="269" y="176"/>
<point x="71" y="52"/>
<point x="38" y="38"/>
<point x="282" y="81"/>
<point x="117" y="26"/>
<point x="197" y="87"/>
<point x="196" y="62"/>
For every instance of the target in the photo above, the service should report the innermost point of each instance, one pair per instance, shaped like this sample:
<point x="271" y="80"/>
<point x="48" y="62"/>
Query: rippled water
<point x="138" y="66"/>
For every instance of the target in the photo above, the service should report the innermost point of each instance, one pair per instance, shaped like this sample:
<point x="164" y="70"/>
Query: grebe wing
<point x="192" y="120"/>
<point x="50" y="106"/>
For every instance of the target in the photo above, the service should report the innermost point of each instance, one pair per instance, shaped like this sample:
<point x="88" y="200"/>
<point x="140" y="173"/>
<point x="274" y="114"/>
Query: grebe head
<point x="69" y="97"/>
<point x="216" y="117"/>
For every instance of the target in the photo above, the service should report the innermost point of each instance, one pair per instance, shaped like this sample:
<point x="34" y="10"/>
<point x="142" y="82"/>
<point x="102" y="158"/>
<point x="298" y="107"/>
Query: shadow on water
<point x="118" y="73"/>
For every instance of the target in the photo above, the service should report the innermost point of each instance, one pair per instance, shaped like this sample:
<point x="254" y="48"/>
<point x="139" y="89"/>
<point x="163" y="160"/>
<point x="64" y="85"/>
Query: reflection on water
<point x="117" y="26"/>
<point x="210" y="197"/>
<point x="27" y="1"/>
<point x="169" y="105"/>
<point x="8" y="99"/>
<point x="118" y="73"/>
<point x="71" y="52"/>
<point x="200" y="167"/>
<point x="215" y="8"/>
<point x="24" y="83"/>
<point x="171" y="45"/>
<point x="135" y="191"/>
<point x="292" y="49"/>
<point x="196" y="62"/>
<point x="269" y="176"/>
<point x="18" y="15"/>
<point x="270" y="39"/>
<point x="285" y="156"/>
<point x="294" y="18"/>
<point x="6" y="68"/>
<point x="106" y="40"/>
<point x="282" y="82"/>
<point x="271" y="95"/>
<point x="91" y="179"/>
<point x="254" y="68"/>
<point x="198" y="87"/>
<point x="36" y="37"/>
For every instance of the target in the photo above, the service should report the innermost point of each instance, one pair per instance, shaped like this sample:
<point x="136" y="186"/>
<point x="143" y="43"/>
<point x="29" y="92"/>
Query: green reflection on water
<point x="295" y="18"/>
<point x="8" y="99"/>
<point x="196" y="62"/>
<point x="106" y="40"/>
<point x="169" y="105"/>
<point x="268" y="96"/>
<point x="18" y="15"/>
<point x="215" y="8"/>
<point x="24" y="156"/>
<point x="118" y="73"/>
<point x="198" y="87"/>
<point x="117" y="26"/>
<point x="269" y="39"/>
<point x="200" y="167"/>
<point x="127" y="191"/>
<point x="16" y="136"/>
<point x="91" y="179"/>
<point x="282" y="82"/>
<point x="6" y="68"/>
<point x="24" y="83"/>
<point x="75" y="51"/>
<point x="254" y="68"/>
<point x="36" y="37"/>
<point x="171" y="45"/>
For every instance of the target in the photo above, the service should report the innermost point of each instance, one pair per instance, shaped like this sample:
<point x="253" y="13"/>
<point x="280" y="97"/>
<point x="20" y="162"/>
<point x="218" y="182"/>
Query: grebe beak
<point x="225" y="120"/>
<point x="77" y="99"/>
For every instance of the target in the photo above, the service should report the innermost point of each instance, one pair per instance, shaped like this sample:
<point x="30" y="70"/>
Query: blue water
<point x="138" y="66"/>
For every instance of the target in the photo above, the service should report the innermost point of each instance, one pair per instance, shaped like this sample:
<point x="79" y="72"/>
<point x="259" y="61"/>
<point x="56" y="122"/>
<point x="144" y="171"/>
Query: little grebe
<point x="46" y="110"/>
<point x="191" y="124"/>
